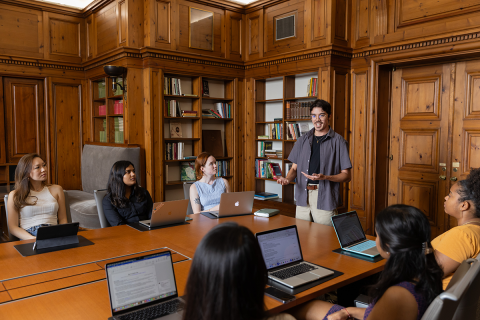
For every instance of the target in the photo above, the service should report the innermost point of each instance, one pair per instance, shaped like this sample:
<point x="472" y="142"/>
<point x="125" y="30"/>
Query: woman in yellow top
<point x="462" y="242"/>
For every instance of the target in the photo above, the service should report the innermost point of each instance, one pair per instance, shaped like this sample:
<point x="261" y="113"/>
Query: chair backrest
<point x="469" y="305"/>
<point x="10" y="236"/>
<point x="99" y="195"/>
<point x="446" y="304"/>
<point x="186" y="193"/>
<point x="67" y="207"/>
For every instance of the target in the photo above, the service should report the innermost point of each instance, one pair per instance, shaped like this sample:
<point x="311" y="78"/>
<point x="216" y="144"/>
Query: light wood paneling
<point x="58" y="284"/>
<point x="50" y="276"/>
<point x="90" y="37"/>
<point x="362" y="14"/>
<point x="22" y="31"/>
<point x="66" y="133"/>
<point x="135" y="19"/>
<point x="25" y="112"/>
<point x="122" y="22"/>
<point x="65" y="37"/>
<point x="3" y="141"/>
<point x="234" y="35"/>
<point x="254" y="26"/>
<point x="163" y="15"/>
<point x="106" y="28"/>
<point x="319" y="16"/>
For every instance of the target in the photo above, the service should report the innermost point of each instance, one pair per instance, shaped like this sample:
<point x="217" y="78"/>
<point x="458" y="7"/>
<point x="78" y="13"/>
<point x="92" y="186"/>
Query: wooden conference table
<point x="70" y="284"/>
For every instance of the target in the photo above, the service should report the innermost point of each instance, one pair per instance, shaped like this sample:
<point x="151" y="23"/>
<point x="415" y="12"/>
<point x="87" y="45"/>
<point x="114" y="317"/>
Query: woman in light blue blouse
<point x="205" y="193"/>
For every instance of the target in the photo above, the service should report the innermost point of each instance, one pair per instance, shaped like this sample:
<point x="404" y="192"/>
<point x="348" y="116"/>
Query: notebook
<point x="284" y="260"/>
<point x="165" y="213"/>
<point x="144" y="286"/>
<point x="351" y="236"/>
<point x="234" y="204"/>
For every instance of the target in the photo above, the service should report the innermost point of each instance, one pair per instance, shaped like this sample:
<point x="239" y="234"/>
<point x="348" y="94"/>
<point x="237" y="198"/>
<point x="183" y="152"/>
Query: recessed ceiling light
<point x="80" y="4"/>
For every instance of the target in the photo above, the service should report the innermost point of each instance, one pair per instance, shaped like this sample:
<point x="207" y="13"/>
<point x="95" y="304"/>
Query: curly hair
<point x="470" y="189"/>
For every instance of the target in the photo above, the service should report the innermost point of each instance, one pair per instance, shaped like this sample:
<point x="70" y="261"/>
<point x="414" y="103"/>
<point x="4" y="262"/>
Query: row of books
<point x="312" y="87"/>
<point x="298" y="110"/>
<point x="223" y="168"/>
<point x="172" y="86"/>
<point x="224" y="109"/>
<point x="103" y="134"/>
<point x="274" y="131"/>
<point x="174" y="150"/>
<point x="118" y="127"/>
<point x="117" y="108"/>
<point x="267" y="169"/>
<point x="172" y="107"/>
<point x="264" y="150"/>
<point x="295" y="130"/>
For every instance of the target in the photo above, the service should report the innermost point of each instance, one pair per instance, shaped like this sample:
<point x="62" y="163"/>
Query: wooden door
<point x="419" y="140"/>
<point x="25" y="122"/>
<point x="466" y="123"/>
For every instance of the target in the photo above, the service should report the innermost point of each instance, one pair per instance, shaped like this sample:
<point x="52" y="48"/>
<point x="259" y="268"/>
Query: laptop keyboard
<point x="363" y="246"/>
<point x="155" y="311"/>
<point x="293" y="271"/>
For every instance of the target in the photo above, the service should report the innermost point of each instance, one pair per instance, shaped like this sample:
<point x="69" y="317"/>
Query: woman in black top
<point x="125" y="201"/>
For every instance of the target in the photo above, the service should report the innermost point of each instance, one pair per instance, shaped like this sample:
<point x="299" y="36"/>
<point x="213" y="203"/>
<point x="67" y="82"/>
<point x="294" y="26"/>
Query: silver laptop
<point x="283" y="258"/>
<point x="234" y="203"/>
<point x="144" y="285"/>
<point x="351" y="236"/>
<point x="166" y="213"/>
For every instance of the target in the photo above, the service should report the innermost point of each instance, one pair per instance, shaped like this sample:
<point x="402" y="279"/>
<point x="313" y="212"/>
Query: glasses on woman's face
<point x="320" y="116"/>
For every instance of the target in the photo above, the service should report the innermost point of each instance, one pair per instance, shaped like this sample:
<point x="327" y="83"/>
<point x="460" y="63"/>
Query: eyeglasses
<point x="320" y="116"/>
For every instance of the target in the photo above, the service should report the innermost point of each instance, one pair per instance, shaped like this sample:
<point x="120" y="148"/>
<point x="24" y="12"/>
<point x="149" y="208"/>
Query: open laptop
<point x="144" y="286"/>
<point x="234" y="203"/>
<point x="351" y="236"/>
<point x="284" y="260"/>
<point x="165" y="213"/>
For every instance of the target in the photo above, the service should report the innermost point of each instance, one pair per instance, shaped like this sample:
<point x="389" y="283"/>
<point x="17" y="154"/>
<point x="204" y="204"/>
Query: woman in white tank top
<point x="33" y="203"/>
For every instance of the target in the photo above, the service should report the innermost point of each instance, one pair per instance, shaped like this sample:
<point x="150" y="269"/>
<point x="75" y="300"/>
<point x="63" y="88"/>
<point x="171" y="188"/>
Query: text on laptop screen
<point x="348" y="228"/>
<point x="279" y="248"/>
<point x="135" y="282"/>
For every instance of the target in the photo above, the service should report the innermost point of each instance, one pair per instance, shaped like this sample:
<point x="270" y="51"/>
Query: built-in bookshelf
<point x="107" y="111"/>
<point x="282" y="113"/>
<point x="196" y="111"/>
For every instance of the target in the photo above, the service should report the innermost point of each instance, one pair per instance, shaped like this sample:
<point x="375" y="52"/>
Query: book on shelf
<point x="172" y="86"/>
<point x="275" y="131"/>
<point x="263" y="146"/>
<point x="207" y="114"/>
<point x="174" y="150"/>
<point x="188" y="113"/>
<point x="102" y="110"/>
<point x="189" y="95"/>
<point x="205" y="89"/>
<point x="295" y="130"/>
<point x="263" y="137"/>
<point x="118" y="126"/>
<point x="175" y="129"/>
<point x="267" y="169"/>
<point x="276" y="170"/>
<point x="312" y="87"/>
<point x="298" y="110"/>
<point x="188" y="171"/>
<point x="190" y="157"/>
<point x="212" y="142"/>
<point x="223" y="109"/>
<point x="278" y="119"/>
<point x="101" y="89"/>
<point x="173" y="108"/>
<point x="118" y="107"/>
<point x="223" y="168"/>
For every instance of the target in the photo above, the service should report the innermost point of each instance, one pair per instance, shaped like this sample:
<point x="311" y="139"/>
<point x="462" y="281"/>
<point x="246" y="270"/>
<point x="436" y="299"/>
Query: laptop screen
<point x="140" y="280"/>
<point x="280" y="247"/>
<point x="348" y="228"/>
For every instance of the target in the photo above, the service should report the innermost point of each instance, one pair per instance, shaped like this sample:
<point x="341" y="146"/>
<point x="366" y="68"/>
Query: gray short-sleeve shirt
<point x="333" y="159"/>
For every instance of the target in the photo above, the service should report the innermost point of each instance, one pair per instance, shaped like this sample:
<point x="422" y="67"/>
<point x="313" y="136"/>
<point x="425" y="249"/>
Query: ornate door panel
<point x="419" y="136"/>
<point x="466" y="123"/>
<point x="25" y="122"/>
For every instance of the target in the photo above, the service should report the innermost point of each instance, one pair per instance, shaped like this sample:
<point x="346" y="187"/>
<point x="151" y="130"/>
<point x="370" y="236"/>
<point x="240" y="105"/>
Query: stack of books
<point x="298" y="110"/>
<point x="188" y="113"/>
<point x="103" y="134"/>
<point x="102" y="110"/>
<point x="172" y="86"/>
<point x="312" y="87"/>
<point x="266" y="169"/>
<point x="172" y="107"/>
<point x="118" y="107"/>
<point x="118" y="124"/>
<point x="174" y="150"/>
<point x="265" y="196"/>
<point x="210" y="113"/>
<point x="273" y="154"/>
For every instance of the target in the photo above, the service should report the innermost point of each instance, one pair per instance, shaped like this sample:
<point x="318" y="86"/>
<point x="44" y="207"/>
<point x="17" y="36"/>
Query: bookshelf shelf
<point x="177" y="182"/>
<point x="216" y="119"/>
<point x="117" y="97"/>
<point x="99" y="117"/>
<point x="99" y="100"/>
<point x="217" y="99"/>
<point x="179" y="160"/>
<point x="182" y="139"/>
<point x="271" y="99"/>
<point x="181" y="118"/>
<point x="173" y="96"/>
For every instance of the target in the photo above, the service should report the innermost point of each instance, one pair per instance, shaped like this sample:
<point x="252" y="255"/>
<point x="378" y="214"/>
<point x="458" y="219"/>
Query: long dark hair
<point x="228" y="276"/>
<point x="116" y="186"/>
<point x="402" y="231"/>
<point x="470" y="189"/>
<point x="22" y="182"/>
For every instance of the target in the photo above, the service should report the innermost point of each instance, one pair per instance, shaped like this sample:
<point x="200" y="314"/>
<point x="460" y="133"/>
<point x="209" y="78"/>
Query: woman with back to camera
<point x="34" y="203"/>
<point x="410" y="280"/>
<point x="205" y="193"/>
<point x="227" y="278"/>
<point x="125" y="201"/>
<point x="462" y="242"/>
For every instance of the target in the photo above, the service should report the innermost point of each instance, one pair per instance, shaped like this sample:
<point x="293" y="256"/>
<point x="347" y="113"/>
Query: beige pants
<point x="311" y="211"/>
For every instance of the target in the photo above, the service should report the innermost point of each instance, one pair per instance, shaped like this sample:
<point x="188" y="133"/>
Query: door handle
<point x="443" y="177"/>
<point x="453" y="178"/>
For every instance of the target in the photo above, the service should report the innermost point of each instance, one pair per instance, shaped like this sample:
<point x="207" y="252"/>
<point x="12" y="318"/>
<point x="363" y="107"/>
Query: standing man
<point x="320" y="163"/>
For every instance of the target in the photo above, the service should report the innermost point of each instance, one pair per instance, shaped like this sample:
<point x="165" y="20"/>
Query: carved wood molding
<point x="193" y="60"/>
<point x="300" y="57"/>
<point x="113" y="58"/>
<point x="40" y="64"/>
<point x="415" y="45"/>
